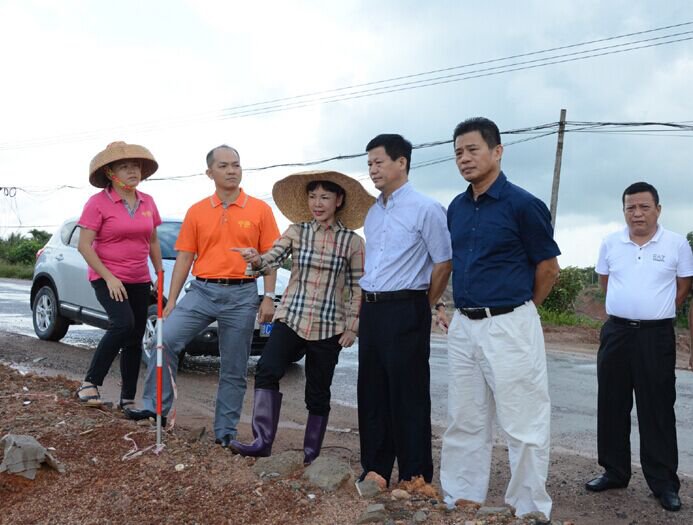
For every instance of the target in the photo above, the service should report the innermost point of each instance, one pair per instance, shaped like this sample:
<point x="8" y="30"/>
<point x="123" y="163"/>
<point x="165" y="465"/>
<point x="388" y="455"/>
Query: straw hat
<point x="120" y="151"/>
<point x="290" y="196"/>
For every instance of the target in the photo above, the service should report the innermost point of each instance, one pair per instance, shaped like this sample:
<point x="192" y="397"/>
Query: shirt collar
<point x="315" y="225"/>
<point x="625" y="235"/>
<point x="493" y="191"/>
<point x="114" y="197"/>
<point x="240" y="201"/>
<point x="395" y="195"/>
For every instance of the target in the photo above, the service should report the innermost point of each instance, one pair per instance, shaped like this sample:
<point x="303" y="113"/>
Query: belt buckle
<point x="633" y="324"/>
<point x="371" y="297"/>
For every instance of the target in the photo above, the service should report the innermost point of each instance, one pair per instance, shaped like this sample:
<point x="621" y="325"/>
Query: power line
<point x="535" y="132"/>
<point x="260" y="108"/>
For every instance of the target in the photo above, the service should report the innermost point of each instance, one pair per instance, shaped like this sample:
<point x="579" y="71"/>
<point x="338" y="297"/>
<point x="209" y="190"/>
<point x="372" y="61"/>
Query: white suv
<point x="61" y="294"/>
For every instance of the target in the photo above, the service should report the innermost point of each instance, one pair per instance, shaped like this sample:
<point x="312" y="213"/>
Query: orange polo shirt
<point x="209" y="230"/>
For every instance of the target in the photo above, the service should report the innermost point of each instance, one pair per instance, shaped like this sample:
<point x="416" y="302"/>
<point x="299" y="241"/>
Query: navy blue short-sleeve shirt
<point x="497" y="242"/>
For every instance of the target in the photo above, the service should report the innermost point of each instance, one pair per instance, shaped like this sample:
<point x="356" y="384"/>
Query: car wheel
<point x="149" y="338"/>
<point x="48" y="323"/>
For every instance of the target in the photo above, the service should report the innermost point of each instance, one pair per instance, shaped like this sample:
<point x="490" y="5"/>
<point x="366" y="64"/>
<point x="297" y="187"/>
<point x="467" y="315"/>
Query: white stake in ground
<point x="159" y="353"/>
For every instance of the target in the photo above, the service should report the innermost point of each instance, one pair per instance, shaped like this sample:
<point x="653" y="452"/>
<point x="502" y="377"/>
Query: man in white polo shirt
<point x="646" y="272"/>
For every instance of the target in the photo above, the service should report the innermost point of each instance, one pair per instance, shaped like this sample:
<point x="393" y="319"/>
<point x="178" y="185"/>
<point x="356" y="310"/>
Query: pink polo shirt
<point x="122" y="239"/>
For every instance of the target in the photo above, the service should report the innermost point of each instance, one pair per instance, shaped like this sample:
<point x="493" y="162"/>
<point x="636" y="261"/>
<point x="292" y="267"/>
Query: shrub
<point x="570" y="283"/>
<point x="566" y="318"/>
<point x="23" y="252"/>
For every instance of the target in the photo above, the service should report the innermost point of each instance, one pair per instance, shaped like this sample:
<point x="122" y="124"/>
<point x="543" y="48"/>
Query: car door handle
<point x="59" y="257"/>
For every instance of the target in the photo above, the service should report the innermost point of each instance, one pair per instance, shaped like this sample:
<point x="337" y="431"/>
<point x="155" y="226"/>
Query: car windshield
<point x="168" y="233"/>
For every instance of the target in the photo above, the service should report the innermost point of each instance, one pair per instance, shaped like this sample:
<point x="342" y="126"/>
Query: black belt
<point x="482" y="313"/>
<point x="633" y="323"/>
<point x="225" y="282"/>
<point x="399" y="295"/>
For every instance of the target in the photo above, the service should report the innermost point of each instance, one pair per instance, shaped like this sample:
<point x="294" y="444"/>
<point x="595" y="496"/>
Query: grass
<point x="16" y="271"/>
<point x="567" y="319"/>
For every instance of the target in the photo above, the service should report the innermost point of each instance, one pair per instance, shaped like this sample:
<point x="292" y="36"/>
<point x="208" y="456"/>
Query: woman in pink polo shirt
<point x="118" y="234"/>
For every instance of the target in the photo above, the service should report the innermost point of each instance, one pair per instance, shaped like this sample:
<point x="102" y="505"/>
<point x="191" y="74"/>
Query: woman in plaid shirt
<point x="320" y="307"/>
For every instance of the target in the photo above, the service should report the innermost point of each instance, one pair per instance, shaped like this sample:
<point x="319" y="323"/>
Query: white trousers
<point x="497" y="370"/>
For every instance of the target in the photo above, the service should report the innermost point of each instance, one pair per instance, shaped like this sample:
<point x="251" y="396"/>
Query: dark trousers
<point x="322" y="357"/>
<point x="640" y="359"/>
<point x="126" y="323"/>
<point x="394" y="399"/>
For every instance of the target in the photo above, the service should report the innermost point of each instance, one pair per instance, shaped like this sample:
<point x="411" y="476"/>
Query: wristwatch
<point x="271" y="295"/>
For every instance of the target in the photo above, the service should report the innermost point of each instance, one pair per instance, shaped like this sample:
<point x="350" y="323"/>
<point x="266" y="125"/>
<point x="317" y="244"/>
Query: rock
<point x="368" y="488"/>
<point x="419" y="516"/>
<point x="502" y="512"/>
<point x="375" y="513"/>
<point x="327" y="473"/>
<point x="196" y="434"/>
<point x="23" y="455"/>
<point x="382" y="483"/>
<point x="467" y="504"/>
<point x="279" y="465"/>
<point x="400" y="494"/>
<point x="537" y="518"/>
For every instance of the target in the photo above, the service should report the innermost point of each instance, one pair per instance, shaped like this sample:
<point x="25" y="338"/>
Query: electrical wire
<point x="261" y="108"/>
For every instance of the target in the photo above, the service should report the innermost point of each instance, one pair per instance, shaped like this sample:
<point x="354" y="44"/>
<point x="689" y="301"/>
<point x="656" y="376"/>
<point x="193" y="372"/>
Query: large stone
<point x="368" y="488"/>
<point x="327" y="473"/>
<point x="24" y="455"/>
<point x="419" y="516"/>
<point x="279" y="465"/>
<point x="400" y="494"/>
<point x="375" y="513"/>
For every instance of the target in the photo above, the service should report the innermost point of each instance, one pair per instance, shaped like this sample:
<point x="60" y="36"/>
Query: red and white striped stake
<point x="159" y="352"/>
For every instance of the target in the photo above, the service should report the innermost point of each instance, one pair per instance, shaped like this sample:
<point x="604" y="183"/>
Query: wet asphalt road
<point x="572" y="381"/>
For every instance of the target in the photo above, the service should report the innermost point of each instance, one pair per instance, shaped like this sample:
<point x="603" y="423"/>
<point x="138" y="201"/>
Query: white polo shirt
<point x="642" y="279"/>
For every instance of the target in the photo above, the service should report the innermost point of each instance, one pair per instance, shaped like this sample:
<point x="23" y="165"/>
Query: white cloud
<point x="83" y="66"/>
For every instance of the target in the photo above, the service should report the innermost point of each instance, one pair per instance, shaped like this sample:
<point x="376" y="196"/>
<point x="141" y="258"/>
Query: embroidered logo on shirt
<point x="245" y="224"/>
<point x="146" y="213"/>
<point x="658" y="257"/>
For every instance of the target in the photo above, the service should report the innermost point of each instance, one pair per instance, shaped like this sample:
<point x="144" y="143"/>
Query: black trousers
<point x="126" y="323"/>
<point x="640" y="359"/>
<point x="394" y="396"/>
<point x="322" y="357"/>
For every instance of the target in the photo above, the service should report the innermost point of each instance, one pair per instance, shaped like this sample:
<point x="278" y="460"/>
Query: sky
<point x="181" y="77"/>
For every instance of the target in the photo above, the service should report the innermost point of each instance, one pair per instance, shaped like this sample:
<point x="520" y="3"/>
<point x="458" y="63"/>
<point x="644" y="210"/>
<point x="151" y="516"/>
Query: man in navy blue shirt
<point x="504" y="266"/>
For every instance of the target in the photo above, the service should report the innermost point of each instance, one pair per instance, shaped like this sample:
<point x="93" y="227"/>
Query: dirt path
<point x="216" y="487"/>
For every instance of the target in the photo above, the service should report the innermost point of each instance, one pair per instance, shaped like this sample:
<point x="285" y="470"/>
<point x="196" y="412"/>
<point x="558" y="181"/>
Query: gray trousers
<point x="234" y="308"/>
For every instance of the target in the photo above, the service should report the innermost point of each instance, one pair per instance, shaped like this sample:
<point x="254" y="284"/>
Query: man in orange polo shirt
<point x="221" y="292"/>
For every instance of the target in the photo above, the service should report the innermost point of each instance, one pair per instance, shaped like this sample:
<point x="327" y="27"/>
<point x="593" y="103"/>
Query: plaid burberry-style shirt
<point x="323" y="296"/>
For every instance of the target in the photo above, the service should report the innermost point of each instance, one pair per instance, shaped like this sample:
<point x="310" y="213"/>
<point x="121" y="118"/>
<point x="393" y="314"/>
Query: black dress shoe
<point x="138" y="414"/>
<point x="670" y="500"/>
<point x="603" y="482"/>
<point x="225" y="441"/>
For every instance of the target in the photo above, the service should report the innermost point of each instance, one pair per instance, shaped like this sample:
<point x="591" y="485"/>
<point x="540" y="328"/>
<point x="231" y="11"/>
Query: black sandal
<point x="126" y="403"/>
<point x="93" y="401"/>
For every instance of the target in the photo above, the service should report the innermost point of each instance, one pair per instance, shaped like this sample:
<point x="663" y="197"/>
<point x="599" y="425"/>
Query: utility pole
<point x="557" y="168"/>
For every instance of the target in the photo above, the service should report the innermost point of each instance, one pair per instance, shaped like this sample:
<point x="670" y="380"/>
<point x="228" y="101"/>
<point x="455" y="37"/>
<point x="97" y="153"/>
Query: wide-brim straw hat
<point x="120" y="151"/>
<point x="292" y="199"/>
